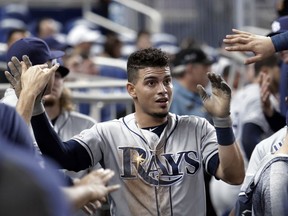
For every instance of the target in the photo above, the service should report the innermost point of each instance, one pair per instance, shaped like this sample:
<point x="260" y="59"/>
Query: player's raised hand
<point x="218" y="103"/>
<point x="14" y="76"/>
<point x="35" y="78"/>
<point x="261" y="46"/>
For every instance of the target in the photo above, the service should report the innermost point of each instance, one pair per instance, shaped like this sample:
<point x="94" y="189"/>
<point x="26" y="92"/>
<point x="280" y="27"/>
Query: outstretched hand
<point x="14" y="76"/>
<point x="96" y="182"/>
<point x="261" y="46"/>
<point x="265" y="93"/>
<point x="218" y="103"/>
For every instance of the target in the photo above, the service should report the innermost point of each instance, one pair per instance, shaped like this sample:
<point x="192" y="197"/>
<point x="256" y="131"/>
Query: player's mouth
<point x="162" y="101"/>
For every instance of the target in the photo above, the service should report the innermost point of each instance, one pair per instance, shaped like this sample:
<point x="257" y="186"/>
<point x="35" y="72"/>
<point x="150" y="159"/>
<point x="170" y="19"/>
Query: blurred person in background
<point x="47" y="27"/>
<point x="12" y="36"/>
<point x="112" y="46"/>
<point x="143" y="40"/>
<point x="81" y="40"/>
<point x="190" y="68"/>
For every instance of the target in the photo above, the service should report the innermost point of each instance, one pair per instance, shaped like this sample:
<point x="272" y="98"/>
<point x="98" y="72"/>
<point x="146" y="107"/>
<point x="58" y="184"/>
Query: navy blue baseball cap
<point x="61" y="69"/>
<point x="35" y="48"/>
<point x="279" y="25"/>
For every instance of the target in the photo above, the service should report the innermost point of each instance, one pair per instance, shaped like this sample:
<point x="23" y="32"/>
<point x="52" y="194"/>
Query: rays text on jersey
<point x="162" y="169"/>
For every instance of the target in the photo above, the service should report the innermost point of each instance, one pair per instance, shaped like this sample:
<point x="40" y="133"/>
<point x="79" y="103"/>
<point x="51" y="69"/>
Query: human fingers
<point x="50" y="71"/>
<point x="202" y="92"/>
<point x="27" y="61"/>
<point x="253" y="59"/>
<point x="238" y="46"/>
<point x="107" y="175"/>
<point x="12" y="68"/>
<point x="86" y="210"/>
<point x="93" y="206"/>
<point x="10" y="78"/>
<point x="215" y="80"/>
<point x="237" y="31"/>
<point x="17" y="67"/>
<point x="226" y="88"/>
<point x="112" y="188"/>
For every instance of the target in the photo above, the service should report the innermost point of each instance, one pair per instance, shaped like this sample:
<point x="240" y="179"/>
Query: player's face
<point x="56" y="91"/>
<point x="152" y="91"/>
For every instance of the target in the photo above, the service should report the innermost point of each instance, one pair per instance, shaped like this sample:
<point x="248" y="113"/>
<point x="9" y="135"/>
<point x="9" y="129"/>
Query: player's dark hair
<point x="271" y="61"/>
<point x="150" y="57"/>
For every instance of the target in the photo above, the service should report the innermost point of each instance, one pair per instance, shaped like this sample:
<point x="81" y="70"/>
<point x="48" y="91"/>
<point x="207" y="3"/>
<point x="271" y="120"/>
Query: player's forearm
<point x="70" y="155"/>
<point x="25" y="105"/>
<point x="231" y="167"/>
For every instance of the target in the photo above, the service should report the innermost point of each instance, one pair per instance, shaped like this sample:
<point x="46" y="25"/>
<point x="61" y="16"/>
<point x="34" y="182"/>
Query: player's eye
<point x="151" y="82"/>
<point x="167" y="82"/>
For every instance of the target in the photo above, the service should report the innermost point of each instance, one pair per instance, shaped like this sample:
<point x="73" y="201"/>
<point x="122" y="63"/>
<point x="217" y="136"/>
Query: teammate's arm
<point x="231" y="165"/>
<point x="70" y="155"/>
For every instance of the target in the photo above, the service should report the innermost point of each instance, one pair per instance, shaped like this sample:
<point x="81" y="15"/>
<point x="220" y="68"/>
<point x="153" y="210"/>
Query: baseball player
<point x="158" y="157"/>
<point x="261" y="155"/>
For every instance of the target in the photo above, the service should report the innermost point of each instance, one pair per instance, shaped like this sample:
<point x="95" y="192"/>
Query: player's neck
<point x="145" y="121"/>
<point x="53" y="111"/>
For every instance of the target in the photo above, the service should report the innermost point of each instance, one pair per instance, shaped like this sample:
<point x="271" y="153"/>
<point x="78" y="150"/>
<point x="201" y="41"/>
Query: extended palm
<point x="218" y="103"/>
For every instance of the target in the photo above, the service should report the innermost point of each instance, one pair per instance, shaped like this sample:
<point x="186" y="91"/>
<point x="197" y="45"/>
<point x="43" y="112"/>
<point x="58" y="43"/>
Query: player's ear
<point x="131" y="89"/>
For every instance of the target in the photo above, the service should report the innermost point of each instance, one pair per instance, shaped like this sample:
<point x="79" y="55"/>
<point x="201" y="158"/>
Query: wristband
<point x="38" y="109"/>
<point x="225" y="136"/>
<point x="222" y="122"/>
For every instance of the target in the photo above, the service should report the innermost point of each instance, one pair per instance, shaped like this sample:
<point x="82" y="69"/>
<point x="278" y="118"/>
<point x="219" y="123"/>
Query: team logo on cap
<point x="275" y="26"/>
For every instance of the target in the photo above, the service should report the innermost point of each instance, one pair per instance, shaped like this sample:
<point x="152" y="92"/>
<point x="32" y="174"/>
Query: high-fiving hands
<point x="35" y="78"/>
<point x="261" y="46"/>
<point x="92" y="190"/>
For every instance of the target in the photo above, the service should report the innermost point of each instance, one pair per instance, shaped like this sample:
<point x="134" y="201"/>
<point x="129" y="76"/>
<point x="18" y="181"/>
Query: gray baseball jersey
<point x="159" y="176"/>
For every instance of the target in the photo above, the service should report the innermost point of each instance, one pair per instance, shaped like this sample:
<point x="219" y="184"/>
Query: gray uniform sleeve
<point x="271" y="193"/>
